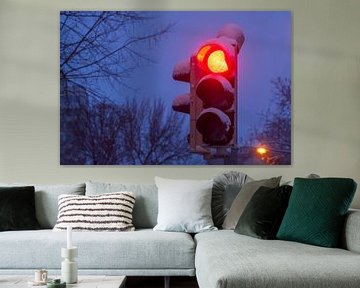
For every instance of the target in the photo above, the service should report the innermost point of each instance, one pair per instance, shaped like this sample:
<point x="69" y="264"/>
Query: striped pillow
<point x="105" y="212"/>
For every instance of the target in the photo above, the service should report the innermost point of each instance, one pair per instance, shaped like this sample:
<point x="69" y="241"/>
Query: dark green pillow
<point x="17" y="208"/>
<point x="264" y="213"/>
<point x="316" y="211"/>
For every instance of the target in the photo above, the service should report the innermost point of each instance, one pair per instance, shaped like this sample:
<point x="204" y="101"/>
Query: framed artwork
<point x="175" y="88"/>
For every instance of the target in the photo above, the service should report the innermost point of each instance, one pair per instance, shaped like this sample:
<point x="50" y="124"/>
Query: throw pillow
<point x="263" y="215"/>
<point x="317" y="209"/>
<point x="46" y="200"/>
<point x="226" y="186"/>
<point x="184" y="205"/>
<point x="243" y="198"/>
<point x="106" y="212"/>
<point x="17" y="208"/>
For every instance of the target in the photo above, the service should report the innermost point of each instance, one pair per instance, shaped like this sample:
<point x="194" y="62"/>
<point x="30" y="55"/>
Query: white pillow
<point x="184" y="205"/>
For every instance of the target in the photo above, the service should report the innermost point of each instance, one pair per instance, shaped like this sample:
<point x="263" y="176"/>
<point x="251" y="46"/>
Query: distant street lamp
<point x="261" y="150"/>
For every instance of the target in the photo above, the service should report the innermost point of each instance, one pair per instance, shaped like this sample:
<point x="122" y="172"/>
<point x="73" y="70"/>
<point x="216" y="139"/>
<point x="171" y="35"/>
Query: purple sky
<point x="266" y="54"/>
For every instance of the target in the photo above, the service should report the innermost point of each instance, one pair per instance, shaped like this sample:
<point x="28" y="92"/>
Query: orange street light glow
<point x="217" y="63"/>
<point x="261" y="150"/>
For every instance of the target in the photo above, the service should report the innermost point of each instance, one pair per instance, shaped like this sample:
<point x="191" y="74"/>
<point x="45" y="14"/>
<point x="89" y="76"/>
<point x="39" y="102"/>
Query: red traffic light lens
<point x="202" y="53"/>
<point x="216" y="62"/>
<point x="216" y="59"/>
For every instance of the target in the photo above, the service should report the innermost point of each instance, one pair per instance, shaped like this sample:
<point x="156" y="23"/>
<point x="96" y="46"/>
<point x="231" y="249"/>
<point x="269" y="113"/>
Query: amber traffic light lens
<point x="215" y="91"/>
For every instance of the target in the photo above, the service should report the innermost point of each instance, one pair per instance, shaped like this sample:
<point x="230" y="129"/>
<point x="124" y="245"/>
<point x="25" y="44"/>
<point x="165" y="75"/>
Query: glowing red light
<point x="202" y="53"/>
<point x="216" y="62"/>
<point x="214" y="59"/>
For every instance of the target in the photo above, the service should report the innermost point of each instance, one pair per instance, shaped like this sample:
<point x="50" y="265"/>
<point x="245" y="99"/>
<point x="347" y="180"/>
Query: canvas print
<point x="175" y="88"/>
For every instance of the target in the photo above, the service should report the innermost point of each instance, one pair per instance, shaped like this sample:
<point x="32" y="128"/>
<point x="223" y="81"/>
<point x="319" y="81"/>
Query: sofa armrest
<point x="351" y="234"/>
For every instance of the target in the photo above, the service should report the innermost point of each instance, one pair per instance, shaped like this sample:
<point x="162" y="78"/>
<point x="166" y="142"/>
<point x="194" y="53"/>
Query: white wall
<point x="326" y="91"/>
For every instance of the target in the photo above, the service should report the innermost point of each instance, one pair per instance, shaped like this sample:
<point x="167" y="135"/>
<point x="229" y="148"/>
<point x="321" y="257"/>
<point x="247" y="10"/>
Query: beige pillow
<point x="243" y="198"/>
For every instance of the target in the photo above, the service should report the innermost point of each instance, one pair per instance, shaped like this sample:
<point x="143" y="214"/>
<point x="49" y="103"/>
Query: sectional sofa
<point x="219" y="259"/>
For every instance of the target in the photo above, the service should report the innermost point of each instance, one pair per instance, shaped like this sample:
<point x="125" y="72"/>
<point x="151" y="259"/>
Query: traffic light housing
<point x="212" y="101"/>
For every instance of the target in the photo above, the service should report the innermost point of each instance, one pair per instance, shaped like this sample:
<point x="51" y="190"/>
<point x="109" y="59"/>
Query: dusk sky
<point x="265" y="55"/>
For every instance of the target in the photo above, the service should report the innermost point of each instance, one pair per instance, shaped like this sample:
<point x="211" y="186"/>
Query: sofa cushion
<point x="317" y="209"/>
<point x="263" y="215"/>
<point x="226" y="187"/>
<point x="142" y="249"/>
<point x="46" y="200"/>
<point x="243" y="198"/>
<point x="146" y="205"/>
<point x="184" y="205"/>
<point x="17" y="208"/>
<point x="105" y="212"/>
<point x="225" y="259"/>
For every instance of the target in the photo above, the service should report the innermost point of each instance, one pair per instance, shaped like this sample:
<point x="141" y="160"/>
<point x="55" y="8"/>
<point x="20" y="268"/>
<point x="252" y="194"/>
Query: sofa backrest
<point x="146" y="203"/>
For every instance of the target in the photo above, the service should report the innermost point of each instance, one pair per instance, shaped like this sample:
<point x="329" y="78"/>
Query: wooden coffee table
<point x="84" y="281"/>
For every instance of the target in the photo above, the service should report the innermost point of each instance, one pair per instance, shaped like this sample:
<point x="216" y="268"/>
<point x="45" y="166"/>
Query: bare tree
<point x="137" y="132"/>
<point x="98" y="48"/>
<point x="152" y="134"/>
<point x="275" y="132"/>
<point x="91" y="133"/>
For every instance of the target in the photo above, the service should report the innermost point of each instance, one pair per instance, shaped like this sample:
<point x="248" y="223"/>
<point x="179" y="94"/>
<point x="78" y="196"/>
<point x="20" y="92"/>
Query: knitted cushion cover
<point x="105" y="212"/>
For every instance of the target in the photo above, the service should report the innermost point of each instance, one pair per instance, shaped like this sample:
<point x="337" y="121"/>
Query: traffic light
<point x="212" y="101"/>
<point x="213" y="105"/>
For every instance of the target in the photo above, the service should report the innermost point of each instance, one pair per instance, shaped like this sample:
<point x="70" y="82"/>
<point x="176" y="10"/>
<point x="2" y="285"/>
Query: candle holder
<point x="69" y="271"/>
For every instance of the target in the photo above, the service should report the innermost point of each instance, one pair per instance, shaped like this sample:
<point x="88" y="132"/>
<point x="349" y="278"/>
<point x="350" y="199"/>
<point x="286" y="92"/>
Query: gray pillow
<point x="226" y="187"/>
<point x="46" y="200"/>
<point x="310" y="176"/>
<point x="184" y="205"/>
<point x="146" y="204"/>
<point x="243" y="198"/>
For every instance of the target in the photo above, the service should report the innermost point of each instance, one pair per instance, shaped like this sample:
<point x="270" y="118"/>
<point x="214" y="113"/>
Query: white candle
<point x="69" y="239"/>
